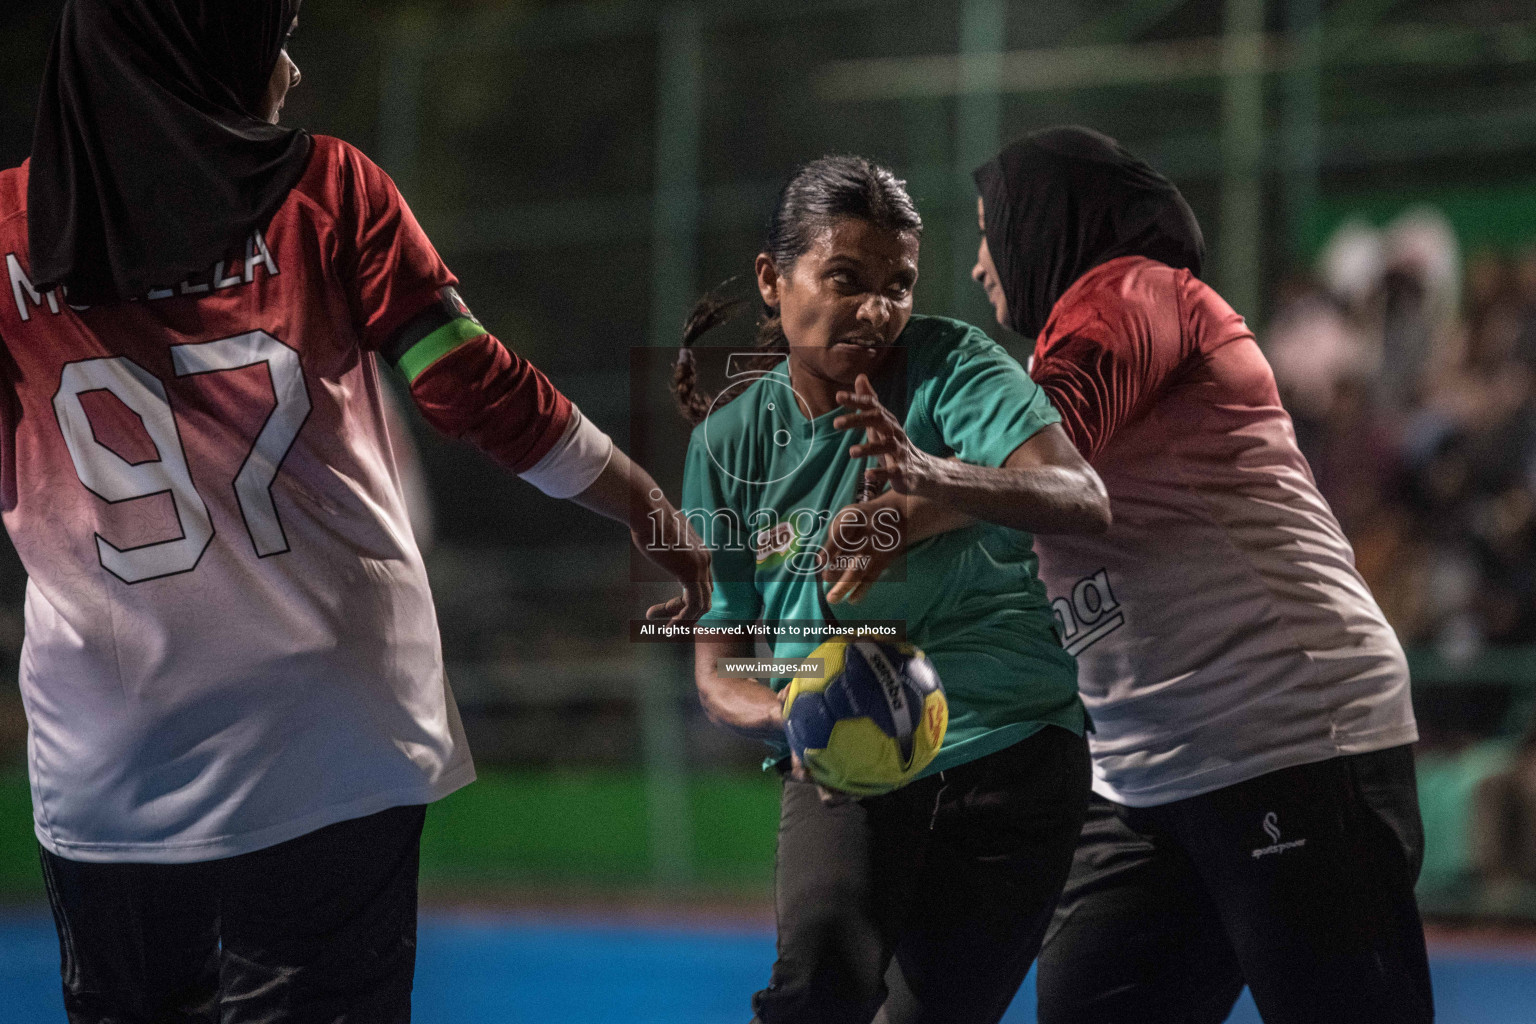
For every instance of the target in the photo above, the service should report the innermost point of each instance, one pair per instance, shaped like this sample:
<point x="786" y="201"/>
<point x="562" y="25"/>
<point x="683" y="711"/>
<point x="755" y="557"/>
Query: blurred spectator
<point x="1503" y="820"/>
<point x="1420" y="294"/>
<point x="1414" y="399"/>
<point x="1315" y="342"/>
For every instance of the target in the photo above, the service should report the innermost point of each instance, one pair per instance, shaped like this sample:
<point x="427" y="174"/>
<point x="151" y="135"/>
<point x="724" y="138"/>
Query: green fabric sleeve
<point x="982" y="403"/>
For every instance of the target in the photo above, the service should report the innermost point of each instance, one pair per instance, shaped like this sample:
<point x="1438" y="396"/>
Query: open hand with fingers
<point x="907" y="468"/>
<point x="863" y="539"/>
<point x="687" y="560"/>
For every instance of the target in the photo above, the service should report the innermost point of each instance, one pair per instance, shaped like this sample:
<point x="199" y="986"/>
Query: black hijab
<point x="149" y="162"/>
<point x="1061" y="201"/>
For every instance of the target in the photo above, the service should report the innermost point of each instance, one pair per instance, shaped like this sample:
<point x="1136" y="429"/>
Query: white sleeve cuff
<point x="576" y="460"/>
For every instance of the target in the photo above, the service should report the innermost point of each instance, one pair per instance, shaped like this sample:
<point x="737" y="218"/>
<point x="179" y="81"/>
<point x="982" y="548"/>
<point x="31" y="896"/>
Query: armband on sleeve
<point x="468" y="385"/>
<point x="432" y="334"/>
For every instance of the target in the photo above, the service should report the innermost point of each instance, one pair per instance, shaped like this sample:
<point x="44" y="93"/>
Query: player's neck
<point x="818" y="392"/>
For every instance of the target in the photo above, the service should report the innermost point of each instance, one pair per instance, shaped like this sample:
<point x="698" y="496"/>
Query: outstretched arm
<point x="481" y="392"/>
<point x="470" y="386"/>
<point x="625" y="492"/>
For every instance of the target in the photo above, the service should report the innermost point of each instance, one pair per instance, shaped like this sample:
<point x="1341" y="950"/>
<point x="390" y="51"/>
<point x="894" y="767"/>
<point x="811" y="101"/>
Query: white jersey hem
<point x="248" y="842"/>
<point x="1213" y="779"/>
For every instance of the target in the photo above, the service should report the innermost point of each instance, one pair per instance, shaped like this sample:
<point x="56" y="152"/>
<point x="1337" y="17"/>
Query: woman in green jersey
<point x="954" y="876"/>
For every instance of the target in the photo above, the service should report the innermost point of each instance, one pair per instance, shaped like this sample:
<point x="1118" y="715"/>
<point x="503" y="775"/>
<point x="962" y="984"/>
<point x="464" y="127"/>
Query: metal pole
<point x="1242" y="116"/>
<point x="1301" y="129"/>
<point x="674" y="244"/>
<point x="983" y="33"/>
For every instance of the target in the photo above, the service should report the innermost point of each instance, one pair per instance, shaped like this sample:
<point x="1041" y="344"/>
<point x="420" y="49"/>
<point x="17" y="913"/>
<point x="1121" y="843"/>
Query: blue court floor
<point x="526" y="970"/>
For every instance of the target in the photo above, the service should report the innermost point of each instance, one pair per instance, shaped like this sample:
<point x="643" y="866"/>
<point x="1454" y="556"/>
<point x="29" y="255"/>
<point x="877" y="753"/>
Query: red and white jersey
<point x="1220" y="627"/>
<point x="230" y="640"/>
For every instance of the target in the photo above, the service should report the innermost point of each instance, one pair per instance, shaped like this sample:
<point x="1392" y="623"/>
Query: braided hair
<point x="818" y="193"/>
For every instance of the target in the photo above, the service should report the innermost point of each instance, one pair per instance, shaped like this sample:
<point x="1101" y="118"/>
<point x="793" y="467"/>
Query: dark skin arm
<point x="852" y="535"/>
<point x="1044" y="486"/>
<point x="625" y="492"/>
<point x="745" y="706"/>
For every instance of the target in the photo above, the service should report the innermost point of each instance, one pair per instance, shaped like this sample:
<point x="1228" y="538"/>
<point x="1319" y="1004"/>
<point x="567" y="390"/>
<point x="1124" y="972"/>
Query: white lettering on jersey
<point x="256" y="252"/>
<point x="253" y="485"/>
<point x="256" y="255"/>
<point x="109" y="476"/>
<point x="21" y="287"/>
<point x="1089" y="615"/>
<point x="220" y="281"/>
<point x="112" y="478"/>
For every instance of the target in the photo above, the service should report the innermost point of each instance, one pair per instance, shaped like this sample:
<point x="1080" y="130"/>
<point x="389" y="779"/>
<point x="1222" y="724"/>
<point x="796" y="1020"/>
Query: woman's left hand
<point x="863" y="539"/>
<point x="907" y="468"/>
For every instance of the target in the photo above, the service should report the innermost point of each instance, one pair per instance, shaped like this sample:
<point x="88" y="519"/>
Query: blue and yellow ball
<point x="872" y="721"/>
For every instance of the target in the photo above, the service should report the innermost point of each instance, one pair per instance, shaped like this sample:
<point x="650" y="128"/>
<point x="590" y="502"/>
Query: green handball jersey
<point x="763" y="483"/>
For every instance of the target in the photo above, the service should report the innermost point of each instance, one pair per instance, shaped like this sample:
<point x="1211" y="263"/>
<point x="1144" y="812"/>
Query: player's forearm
<point x="1039" y="499"/>
<point x="482" y="393"/>
<point x="744" y="706"/>
<point x="921" y="518"/>
<point x="626" y="493"/>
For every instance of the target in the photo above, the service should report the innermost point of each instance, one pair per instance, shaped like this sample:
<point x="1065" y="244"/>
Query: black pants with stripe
<point x="321" y="928"/>
<point x="1298" y="883"/>
<point x="927" y="904"/>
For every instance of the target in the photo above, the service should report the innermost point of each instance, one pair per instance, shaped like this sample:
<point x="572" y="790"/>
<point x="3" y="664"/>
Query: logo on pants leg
<point x="1271" y="826"/>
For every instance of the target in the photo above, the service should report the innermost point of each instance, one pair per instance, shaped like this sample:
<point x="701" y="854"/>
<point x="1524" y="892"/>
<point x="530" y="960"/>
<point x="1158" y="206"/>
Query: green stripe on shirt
<point x="436" y="345"/>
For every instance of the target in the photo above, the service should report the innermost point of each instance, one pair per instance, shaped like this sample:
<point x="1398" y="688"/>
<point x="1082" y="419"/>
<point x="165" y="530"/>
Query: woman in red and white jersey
<point x="232" y="674"/>
<point x="1255" y="818"/>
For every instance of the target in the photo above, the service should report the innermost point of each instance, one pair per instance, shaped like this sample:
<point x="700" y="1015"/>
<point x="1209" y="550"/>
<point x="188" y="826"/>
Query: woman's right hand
<point x="903" y="465"/>
<point x="829" y="797"/>
<point x="739" y="703"/>
<point x="686" y="560"/>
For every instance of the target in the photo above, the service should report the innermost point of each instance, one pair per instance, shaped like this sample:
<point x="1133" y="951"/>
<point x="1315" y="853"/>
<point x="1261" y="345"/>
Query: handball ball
<point x="872" y="721"/>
